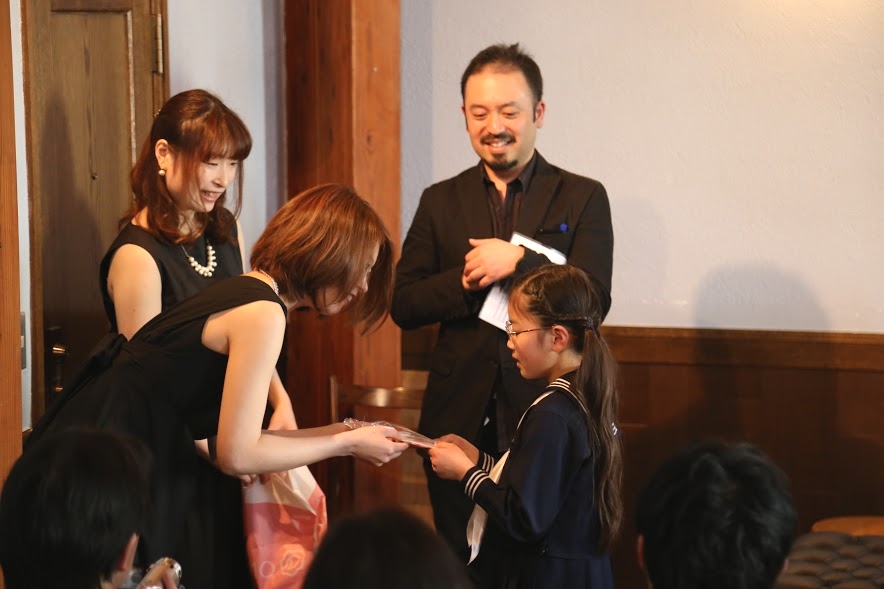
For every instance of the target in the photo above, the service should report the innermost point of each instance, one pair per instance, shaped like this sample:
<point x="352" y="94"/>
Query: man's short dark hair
<point x="716" y="516"/>
<point x="505" y="58"/>
<point x="69" y="508"/>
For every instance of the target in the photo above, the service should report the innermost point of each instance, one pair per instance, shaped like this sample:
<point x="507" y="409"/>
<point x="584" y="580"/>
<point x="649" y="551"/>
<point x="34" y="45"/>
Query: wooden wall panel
<point x="342" y="125"/>
<point x="308" y="158"/>
<point x="375" y="55"/>
<point x="813" y="401"/>
<point x="318" y="122"/>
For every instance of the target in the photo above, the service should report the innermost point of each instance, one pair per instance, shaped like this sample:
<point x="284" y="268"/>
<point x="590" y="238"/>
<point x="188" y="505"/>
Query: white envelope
<point x="494" y="309"/>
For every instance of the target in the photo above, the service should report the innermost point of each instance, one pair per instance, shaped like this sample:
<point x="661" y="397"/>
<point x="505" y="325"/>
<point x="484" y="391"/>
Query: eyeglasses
<point x="509" y="329"/>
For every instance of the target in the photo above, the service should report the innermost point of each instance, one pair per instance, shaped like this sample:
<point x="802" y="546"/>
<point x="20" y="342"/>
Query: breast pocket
<point x="558" y="241"/>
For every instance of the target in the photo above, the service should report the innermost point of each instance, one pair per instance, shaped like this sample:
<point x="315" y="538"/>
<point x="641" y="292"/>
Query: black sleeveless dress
<point x="179" y="280"/>
<point x="213" y="525"/>
<point x="164" y="387"/>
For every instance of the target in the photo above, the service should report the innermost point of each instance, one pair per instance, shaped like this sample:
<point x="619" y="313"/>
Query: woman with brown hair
<point x="177" y="238"/>
<point x="202" y="369"/>
<point x="190" y="167"/>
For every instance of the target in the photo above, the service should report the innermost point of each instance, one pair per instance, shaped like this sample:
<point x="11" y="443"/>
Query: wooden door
<point x="94" y="74"/>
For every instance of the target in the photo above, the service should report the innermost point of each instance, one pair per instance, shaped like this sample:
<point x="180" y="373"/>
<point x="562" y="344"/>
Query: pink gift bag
<point x="285" y="519"/>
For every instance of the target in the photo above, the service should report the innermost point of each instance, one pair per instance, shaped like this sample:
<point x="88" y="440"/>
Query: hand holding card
<point x="407" y="435"/>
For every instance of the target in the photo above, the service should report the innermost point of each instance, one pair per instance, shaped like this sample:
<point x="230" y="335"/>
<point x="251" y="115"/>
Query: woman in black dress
<point x="202" y="369"/>
<point x="176" y="239"/>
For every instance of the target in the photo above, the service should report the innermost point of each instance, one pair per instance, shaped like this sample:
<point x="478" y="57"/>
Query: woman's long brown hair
<point x="198" y="127"/>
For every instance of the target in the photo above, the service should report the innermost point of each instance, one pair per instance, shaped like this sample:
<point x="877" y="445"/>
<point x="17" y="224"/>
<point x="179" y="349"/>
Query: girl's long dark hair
<point x="563" y="295"/>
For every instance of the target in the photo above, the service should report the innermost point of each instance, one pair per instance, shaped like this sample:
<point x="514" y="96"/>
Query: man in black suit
<point x="458" y="247"/>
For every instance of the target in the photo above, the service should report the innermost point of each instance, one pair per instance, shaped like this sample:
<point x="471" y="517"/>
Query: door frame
<point x="10" y="342"/>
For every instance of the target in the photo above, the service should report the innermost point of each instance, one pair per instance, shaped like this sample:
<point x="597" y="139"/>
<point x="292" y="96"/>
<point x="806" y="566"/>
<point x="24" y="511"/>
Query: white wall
<point x="234" y="50"/>
<point x="21" y="181"/>
<point x="740" y="142"/>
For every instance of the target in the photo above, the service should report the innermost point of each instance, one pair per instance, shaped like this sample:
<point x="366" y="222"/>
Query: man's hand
<point x="490" y="261"/>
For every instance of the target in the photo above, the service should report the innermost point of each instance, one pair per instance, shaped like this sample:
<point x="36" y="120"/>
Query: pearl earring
<point x="162" y="172"/>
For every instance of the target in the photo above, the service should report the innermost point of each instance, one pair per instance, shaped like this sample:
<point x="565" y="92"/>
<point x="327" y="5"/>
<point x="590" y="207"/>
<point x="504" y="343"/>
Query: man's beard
<point x="501" y="165"/>
<point x="498" y="164"/>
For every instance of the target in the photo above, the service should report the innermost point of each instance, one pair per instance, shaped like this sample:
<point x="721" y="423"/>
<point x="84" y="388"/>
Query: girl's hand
<point x="375" y="444"/>
<point x="449" y="462"/>
<point x="471" y="451"/>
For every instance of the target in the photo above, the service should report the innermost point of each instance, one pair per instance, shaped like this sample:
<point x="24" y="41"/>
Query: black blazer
<point x="469" y="352"/>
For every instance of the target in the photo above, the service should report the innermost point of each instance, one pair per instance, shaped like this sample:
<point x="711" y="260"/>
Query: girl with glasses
<point x="547" y="512"/>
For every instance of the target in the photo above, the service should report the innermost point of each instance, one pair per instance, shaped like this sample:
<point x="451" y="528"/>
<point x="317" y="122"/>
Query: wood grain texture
<point x="92" y="86"/>
<point x="10" y="342"/>
<point x="318" y="126"/>
<point x="376" y="144"/>
<point x="341" y="126"/>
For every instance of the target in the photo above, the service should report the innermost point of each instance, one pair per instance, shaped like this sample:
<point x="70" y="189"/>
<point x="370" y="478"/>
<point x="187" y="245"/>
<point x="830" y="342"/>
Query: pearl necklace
<point x="207" y="270"/>
<point x="273" y="283"/>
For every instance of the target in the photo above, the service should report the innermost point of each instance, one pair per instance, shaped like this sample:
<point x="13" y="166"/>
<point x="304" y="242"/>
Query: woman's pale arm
<point x="323" y="430"/>
<point x="253" y="335"/>
<point x="283" y="414"/>
<point x="135" y="286"/>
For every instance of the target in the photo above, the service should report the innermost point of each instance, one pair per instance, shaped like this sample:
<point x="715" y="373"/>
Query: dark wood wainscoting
<point x="813" y="401"/>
